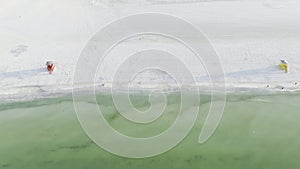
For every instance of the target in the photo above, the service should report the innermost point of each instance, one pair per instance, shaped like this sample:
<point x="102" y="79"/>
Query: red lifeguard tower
<point x="50" y="67"/>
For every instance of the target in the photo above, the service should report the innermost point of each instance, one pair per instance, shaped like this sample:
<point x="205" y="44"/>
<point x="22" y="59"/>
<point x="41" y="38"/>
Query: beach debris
<point x="50" y="66"/>
<point x="283" y="65"/>
<point x="279" y="87"/>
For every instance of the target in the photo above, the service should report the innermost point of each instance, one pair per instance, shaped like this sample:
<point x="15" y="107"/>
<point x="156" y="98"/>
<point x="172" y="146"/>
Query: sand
<point x="250" y="37"/>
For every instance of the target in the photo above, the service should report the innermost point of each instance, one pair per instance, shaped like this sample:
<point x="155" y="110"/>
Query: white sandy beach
<point x="250" y="38"/>
<point x="251" y="123"/>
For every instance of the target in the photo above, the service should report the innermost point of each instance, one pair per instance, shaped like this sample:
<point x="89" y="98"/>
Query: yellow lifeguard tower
<point x="284" y="65"/>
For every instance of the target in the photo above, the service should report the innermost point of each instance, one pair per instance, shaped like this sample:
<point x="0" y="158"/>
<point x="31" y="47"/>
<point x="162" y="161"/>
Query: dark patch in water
<point x="48" y="162"/>
<point x="114" y="116"/>
<point x="198" y="157"/>
<point x="73" y="147"/>
<point x="5" y="165"/>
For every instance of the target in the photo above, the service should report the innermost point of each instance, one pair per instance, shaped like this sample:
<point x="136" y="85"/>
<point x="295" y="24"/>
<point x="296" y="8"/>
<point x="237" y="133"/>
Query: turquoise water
<point x="257" y="131"/>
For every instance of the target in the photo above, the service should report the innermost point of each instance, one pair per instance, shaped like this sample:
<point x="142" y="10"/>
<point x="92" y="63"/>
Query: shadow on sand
<point x="23" y="73"/>
<point x="270" y="70"/>
<point x="256" y="72"/>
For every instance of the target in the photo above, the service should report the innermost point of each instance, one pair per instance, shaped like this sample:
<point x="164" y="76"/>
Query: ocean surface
<point x="256" y="132"/>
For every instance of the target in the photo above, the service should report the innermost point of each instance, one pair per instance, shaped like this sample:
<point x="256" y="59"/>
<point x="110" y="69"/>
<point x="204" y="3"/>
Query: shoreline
<point x="31" y="93"/>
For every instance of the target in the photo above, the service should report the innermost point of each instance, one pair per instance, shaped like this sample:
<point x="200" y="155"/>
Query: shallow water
<point x="257" y="131"/>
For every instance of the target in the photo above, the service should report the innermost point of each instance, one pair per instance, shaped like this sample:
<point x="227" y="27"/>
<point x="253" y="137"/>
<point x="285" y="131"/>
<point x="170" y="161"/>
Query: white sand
<point x="250" y="38"/>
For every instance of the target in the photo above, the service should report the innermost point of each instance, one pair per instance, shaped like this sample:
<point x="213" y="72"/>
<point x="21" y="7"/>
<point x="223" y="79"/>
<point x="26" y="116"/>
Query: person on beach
<point x="50" y="67"/>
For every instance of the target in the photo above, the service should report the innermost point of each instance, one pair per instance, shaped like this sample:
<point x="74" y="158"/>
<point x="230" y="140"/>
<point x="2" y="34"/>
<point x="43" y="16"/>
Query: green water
<point x="256" y="132"/>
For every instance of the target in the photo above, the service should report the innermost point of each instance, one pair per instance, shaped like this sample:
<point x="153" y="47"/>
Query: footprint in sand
<point x="19" y="50"/>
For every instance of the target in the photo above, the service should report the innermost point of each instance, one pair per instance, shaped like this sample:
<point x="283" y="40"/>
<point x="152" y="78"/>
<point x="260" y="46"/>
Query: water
<point x="257" y="131"/>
